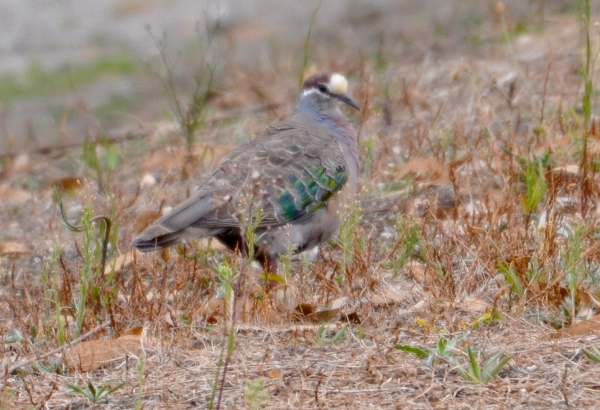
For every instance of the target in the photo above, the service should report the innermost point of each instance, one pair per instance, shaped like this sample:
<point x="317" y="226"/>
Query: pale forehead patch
<point x="338" y="84"/>
<point x="309" y="91"/>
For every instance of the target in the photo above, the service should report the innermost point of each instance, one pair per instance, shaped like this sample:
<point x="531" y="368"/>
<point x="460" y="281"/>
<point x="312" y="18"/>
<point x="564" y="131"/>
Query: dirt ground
<point x="453" y="126"/>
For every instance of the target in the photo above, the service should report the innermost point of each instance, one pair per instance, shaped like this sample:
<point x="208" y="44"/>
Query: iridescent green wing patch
<point x="310" y="191"/>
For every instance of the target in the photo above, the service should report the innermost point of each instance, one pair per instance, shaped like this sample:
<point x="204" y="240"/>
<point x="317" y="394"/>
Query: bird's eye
<point x="322" y="88"/>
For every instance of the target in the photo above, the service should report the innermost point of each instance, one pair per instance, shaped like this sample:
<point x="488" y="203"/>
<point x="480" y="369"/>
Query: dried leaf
<point x="19" y="164"/>
<point x="213" y="244"/>
<point x="421" y="275"/>
<point x="472" y="304"/>
<point x="170" y="319"/>
<point x="581" y="328"/>
<point x="69" y="184"/>
<point x="377" y="300"/>
<point x="324" y="315"/>
<point x="14" y="195"/>
<point x="327" y="315"/>
<point x="388" y="298"/>
<point x="520" y="264"/>
<point x="285" y="299"/>
<point x="13" y="248"/>
<point x="425" y="169"/>
<point x="420" y="305"/>
<point x="562" y="176"/>
<point x="91" y="355"/>
<point x="594" y="144"/>
<point x="422" y="322"/>
<point x="572" y="169"/>
<point x="165" y="255"/>
<point x="210" y="310"/>
<point x="274" y="373"/>
<point x="593" y="299"/>
<point x="586" y="311"/>
<point x="392" y="295"/>
<point x="7" y="362"/>
<point x="339" y="303"/>
<point x="305" y="309"/>
<point x="308" y="311"/>
<point x="352" y="317"/>
<point x="136" y="331"/>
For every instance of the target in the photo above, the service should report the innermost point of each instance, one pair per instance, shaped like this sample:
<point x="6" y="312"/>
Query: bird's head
<point x="326" y="89"/>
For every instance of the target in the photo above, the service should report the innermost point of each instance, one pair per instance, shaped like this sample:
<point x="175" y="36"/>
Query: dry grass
<point x="446" y="140"/>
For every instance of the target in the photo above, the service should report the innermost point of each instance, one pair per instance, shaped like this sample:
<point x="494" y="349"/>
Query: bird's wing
<point x="288" y="171"/>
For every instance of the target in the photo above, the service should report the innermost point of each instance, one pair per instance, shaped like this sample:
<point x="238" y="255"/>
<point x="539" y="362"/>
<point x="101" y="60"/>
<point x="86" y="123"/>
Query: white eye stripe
<point x="310" y="91"/>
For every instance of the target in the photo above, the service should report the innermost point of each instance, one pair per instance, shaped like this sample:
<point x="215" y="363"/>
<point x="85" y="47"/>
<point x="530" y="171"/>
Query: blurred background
<point x="71" y="69"/>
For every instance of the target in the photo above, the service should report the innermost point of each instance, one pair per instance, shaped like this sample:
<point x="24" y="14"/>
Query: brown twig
<point x="118" y="137"/>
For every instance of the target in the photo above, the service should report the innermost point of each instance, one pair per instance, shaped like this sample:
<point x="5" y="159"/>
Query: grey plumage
<point x="297" y="172"/>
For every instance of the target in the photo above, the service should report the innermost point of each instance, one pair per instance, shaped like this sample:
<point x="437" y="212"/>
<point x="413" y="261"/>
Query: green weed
<point x="235" y="293"/>
<point x="511" y="277"/>
<point x="593" y="354"/>
<point x="254" y="393"/>
<point x="368" y="158"/>
<point x="444" y="349"/>
<point x="141" y="373"/>
<point x="93" y="393"/>
<point x="574" y="265"/>
<point x="588" y="90"/>
<point x="587" y="68"/>
<point x="323" y="335"/>
<point x="473" y="372"/>
<point x="102" y="165"/>
<point x="409" y="237"/>
<point x="52" y="293"/>
<point x="189" y="112"/>
<point x="347" y="235"/>
<point x="535" y="185"/>
<point x="98" y="234"/>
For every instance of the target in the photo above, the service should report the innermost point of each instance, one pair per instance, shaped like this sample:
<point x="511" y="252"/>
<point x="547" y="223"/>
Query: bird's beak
<point x="346" y="99"/>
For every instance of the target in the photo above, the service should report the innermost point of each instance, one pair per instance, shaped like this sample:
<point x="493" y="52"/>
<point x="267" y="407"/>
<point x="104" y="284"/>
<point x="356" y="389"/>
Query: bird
<point x="296" y="174"/>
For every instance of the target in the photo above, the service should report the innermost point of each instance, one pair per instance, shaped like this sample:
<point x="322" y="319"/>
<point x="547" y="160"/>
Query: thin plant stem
<point x="307" y="43"/>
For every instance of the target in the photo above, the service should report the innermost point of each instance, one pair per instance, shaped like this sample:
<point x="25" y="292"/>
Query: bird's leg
<point x="269" y="265"/>
<point x="272" y="265"/>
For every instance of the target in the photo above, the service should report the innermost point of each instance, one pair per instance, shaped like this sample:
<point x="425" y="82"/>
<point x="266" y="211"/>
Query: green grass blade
<point x="494" y="364"/>
<point x="474" y="365"/>
<point x="420" y="352"/>
<point x="593" y="354"/>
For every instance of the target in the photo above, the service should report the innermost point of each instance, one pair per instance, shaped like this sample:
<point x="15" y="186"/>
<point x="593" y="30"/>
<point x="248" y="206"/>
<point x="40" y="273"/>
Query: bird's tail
<point x="176" y="225"/>
<point x="147" y="242"/>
